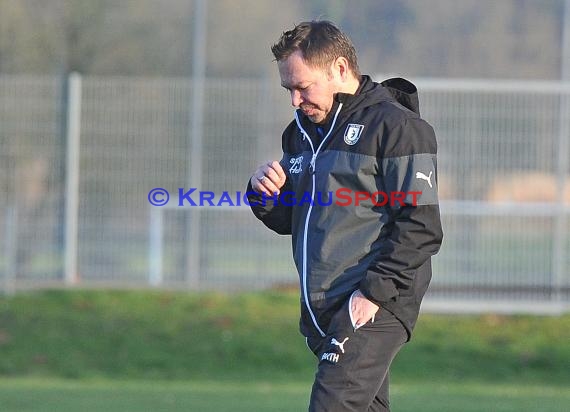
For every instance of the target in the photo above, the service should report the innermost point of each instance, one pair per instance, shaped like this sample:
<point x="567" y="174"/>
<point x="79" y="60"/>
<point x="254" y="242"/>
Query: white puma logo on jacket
<point x="420" y="175"/>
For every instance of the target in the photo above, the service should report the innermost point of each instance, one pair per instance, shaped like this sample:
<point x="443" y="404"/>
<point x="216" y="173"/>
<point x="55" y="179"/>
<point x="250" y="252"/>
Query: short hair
<point x="320" y="43"/>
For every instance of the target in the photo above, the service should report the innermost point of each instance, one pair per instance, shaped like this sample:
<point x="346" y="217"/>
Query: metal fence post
<point x="561" y="221"/>
<point x="73" y="132"/>
<point x="10" y="240"/>
<point x="196" y="136"/>
<point x="155" y="276"/>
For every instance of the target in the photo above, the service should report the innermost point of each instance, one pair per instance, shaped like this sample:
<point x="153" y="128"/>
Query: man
<point x="357" y="190"/>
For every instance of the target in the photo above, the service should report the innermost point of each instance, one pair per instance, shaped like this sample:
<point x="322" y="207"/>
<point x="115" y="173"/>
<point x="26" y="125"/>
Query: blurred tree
<point x="241" y="33"/>
<point x="80" y="24"/>
<point x="481" y="38"/>
<point x="95" y="37"/>
<point x="471" y="38"/>
<point x="21" y="43"/>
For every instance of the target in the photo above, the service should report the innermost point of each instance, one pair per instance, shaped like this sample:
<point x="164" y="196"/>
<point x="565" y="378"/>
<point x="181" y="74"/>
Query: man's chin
<point x="316" y="118"/>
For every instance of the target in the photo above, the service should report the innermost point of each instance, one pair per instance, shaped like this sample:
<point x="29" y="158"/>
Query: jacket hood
<point x="369" y="93"/>
<point x="405" y="93"/>
<point x="396" y="89"/>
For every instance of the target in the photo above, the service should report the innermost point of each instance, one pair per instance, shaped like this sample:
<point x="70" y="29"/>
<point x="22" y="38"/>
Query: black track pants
<point x="352" y="374"/>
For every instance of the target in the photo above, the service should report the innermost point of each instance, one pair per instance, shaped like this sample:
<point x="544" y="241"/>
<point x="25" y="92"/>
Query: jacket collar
<point x="369" y="93"/>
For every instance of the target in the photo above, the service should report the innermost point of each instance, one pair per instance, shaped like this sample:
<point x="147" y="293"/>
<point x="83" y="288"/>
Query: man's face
<point x="312" y="89"/>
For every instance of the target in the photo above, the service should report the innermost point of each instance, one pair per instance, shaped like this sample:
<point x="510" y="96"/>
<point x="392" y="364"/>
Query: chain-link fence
<point x="79" y="158"/>
<point x="505" y="190"/>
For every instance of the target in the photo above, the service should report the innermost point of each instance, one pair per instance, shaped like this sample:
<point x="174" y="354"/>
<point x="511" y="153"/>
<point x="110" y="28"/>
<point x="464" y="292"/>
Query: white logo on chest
<point x="296" y="165"/>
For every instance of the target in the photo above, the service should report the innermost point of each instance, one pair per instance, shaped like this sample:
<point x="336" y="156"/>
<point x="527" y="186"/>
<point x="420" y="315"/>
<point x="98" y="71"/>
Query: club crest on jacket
<point x="352" y="133"/>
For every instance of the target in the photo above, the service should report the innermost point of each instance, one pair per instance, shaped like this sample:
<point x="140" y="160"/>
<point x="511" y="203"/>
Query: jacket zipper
<point x="312" y="170"/>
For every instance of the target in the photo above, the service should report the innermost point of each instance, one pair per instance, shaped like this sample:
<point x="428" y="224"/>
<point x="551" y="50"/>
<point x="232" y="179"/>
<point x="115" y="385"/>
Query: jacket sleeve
<point x="272" y="211"/>
<point x="408" y="174"/>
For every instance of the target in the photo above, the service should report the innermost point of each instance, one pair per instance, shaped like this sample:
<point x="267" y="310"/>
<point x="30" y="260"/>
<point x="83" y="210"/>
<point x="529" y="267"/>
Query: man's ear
<point x="340" y="68"/>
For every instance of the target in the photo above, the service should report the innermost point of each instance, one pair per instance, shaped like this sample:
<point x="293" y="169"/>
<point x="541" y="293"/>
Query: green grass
<point x="29" y="395"/>
<point x="478" y="397"/>
<point x="151" y="335"/>
<point x="121" y="396"/>
<point x="488" y="348"/>
<point x="172" y="351"/>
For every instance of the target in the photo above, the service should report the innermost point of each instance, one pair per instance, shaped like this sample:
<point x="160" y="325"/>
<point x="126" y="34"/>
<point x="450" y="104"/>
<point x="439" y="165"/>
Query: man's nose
<point x="296" y="98"/>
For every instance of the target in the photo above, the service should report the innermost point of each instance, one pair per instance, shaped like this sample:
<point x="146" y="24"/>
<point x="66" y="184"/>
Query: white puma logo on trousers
<point x="339" y="344"/>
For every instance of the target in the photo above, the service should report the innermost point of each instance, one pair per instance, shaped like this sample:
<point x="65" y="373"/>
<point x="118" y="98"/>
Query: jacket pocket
<point x="341" y="321"/>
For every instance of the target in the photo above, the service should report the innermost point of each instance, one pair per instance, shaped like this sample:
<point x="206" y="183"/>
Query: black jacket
<point x="377" y="145"/>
